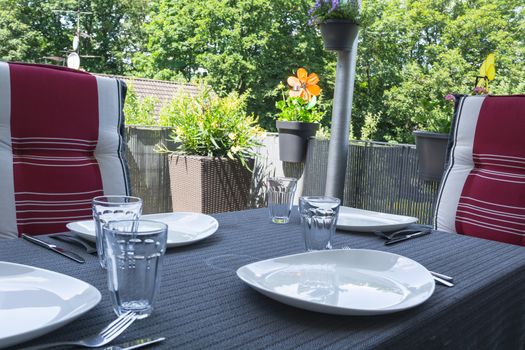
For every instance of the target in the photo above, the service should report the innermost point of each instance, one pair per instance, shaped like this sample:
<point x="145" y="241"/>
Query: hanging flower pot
<point x="431" y="150"/>
<point x="338" y="34"/>
<point x="293" y="139"/>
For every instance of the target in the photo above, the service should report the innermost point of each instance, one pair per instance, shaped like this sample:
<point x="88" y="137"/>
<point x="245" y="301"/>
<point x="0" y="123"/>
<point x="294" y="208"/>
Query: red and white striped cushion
<point x="60" y="145"/>
<point x="483" y="190"/>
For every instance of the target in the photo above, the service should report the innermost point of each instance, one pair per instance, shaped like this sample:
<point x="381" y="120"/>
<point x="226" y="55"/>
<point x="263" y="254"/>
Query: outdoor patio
<point x="270" y="174"/>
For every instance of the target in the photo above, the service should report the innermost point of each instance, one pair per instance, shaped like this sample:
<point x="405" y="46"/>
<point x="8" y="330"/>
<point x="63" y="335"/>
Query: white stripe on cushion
<point x="109" y="139"/>
<point x="453" y="181"/>
<point x="8" y="228"/>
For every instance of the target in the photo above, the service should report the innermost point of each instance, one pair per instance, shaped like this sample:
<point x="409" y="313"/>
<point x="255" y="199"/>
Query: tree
<point x="419" y="51"/>
<point x="31" y="30"/>
<point x="244" y="45"/>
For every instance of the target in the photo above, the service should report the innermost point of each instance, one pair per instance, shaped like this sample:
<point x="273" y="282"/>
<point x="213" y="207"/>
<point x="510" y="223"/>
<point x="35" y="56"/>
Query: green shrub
<point x="139" y="111"/>
<point x="213" y="126"/>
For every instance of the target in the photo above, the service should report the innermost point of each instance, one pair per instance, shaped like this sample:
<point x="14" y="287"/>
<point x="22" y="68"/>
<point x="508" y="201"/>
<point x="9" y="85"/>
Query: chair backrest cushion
<point x="482" y="193"/>
<point x="61" y="144"/>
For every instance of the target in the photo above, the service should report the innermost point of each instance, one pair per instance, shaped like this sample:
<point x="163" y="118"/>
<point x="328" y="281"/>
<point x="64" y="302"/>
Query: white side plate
<point x="342" y="282"/>
<point x="35" y="301"/>
<point x="183" y="228"/>
<point x="359" y="220"/>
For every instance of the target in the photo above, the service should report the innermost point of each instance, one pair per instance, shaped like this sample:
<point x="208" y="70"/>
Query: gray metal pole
<point x="341" y="115"/>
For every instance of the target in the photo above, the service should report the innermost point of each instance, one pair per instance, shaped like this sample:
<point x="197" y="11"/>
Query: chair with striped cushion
<point x="482" y="193"/>
<point x="61" y="144"/>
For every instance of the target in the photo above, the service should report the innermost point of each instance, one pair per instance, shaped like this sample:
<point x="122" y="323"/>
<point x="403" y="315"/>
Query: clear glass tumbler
<point x="111" y="208"/>
<point x="319" y="218"/>
<point x="281" y="191"/>
<point x="134" y="259"/>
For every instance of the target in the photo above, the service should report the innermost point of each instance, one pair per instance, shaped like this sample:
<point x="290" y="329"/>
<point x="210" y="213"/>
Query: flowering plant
<point x="301" y="102"/>
<point x="487" y="72"/>
<point x="324" y="10"/>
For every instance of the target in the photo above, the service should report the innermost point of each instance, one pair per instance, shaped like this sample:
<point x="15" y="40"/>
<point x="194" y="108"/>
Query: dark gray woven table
<point x="203" y="305"/>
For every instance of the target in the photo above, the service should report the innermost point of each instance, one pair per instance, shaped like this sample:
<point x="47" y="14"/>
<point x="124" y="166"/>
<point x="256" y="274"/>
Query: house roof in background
<point x="163" y="90"/>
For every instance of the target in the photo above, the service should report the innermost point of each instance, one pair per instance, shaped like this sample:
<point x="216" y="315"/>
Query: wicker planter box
<point x="208" y="185"/>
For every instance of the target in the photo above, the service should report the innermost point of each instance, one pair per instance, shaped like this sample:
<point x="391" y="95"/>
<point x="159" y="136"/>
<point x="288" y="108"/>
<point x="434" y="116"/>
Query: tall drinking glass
<point x="281" y="191"/>
<point x="319" y="218"/>
<point x="134" y="259"/>
<point x="111" y="208"/>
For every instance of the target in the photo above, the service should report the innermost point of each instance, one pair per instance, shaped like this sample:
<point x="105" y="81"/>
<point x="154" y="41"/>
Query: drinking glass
<point x="135" y="249"/>
<point x="281" y="191"/>
<point x="110" y="208"/>
<point x="319" y="218"/>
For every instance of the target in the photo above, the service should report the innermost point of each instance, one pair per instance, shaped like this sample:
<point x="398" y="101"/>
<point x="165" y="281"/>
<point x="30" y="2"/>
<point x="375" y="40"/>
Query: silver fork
<point x="113" y="330"/>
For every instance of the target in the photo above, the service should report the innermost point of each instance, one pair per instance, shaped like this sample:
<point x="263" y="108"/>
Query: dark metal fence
<point x="380" y="176"/>
<point x="150" y="179"/>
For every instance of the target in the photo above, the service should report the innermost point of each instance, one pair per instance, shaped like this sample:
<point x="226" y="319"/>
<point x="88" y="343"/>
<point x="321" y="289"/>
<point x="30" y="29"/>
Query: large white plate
<point x="342" y="282"/>
<point x="183" y="228"/>
<point x="359" y="220"/>
<point x="35" y="301"/>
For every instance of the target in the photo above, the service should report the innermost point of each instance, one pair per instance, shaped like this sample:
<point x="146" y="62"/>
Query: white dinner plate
<point x="359" y="220"/>
<point x="183" y="228"/>
<point x="342" y="282"/>
<point x="35" y="301"/>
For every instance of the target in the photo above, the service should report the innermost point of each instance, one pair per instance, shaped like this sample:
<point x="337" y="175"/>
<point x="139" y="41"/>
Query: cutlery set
<point x="442" y="279"/>
<point x="402" y="235"/>
<point x="69" y="238"/>
<point x="54" y="248"/>
<point x="406" y="234"/>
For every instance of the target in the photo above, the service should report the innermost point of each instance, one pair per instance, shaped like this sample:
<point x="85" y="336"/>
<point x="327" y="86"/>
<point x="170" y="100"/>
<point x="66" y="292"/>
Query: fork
<point x="113" y="330"/>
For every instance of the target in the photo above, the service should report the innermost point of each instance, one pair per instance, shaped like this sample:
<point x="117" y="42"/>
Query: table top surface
<point x="203" y="304"/>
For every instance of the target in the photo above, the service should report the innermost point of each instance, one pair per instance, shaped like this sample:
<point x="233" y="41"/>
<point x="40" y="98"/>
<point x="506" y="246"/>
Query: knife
<point x="404" y="238"/>
<point x="135" y="344"/>
<point x="54" y="248"/>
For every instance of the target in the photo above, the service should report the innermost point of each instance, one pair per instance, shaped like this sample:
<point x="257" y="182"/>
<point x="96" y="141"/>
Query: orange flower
<point x="304" y="85"/>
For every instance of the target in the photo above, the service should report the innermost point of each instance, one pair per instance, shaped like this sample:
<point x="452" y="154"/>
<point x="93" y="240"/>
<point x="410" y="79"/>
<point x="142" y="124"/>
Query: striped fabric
<point x="60" y="145"/>
<point x="483" y="190"/>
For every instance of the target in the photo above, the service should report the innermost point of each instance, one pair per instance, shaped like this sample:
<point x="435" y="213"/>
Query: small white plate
<point x="35" y="301"/>
<point x="359" y="220"/>
<point x="183" y="228"/>
<point x="342" y="282"/>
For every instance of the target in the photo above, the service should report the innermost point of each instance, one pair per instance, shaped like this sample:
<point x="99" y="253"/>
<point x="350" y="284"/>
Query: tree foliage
<point x="244" y="45"/>
<point x="411" y="52"/>
<point x="31" y="30"/>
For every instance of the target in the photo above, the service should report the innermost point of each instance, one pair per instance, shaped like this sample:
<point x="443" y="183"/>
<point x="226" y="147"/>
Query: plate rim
<point x="333" y="309"/>
<point x="35" y="333"/>
<point x="370" y="228"/>
<point x="203" y="235"/>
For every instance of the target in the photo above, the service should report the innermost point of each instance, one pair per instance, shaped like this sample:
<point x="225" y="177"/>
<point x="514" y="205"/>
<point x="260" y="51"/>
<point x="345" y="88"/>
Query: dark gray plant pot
<point x="293" y="139"/>
<point x="338" y="35"/>
<point x="431" y="153"/>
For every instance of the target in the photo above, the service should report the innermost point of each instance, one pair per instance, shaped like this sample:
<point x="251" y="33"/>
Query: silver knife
<point x="135" y="344"/>
<point x="401" y="239"/>
<point x="54" y="248"/>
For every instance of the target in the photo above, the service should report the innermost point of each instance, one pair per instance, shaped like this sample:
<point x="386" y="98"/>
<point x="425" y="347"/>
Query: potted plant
<point x="338" y="21"/>
<point x="432" y="144"/>
<point x="211" y="169"/>
<point x="299" y="116"/>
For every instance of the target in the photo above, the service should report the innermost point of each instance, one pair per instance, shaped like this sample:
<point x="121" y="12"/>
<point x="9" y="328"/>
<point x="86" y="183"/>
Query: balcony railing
<point x="380" y="176"/>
